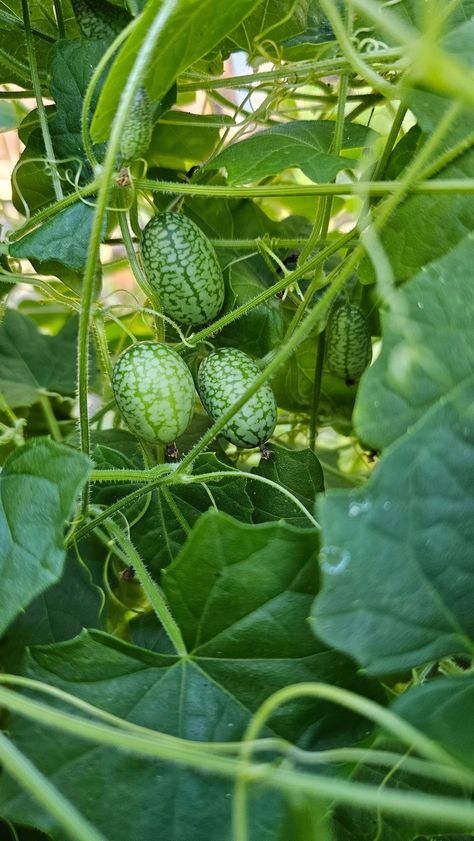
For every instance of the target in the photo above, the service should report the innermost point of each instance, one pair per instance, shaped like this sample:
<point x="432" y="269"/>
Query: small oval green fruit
<point x="222" y="378"/>
<point x="99" y="20"/>
<point x="138" y="129"/>
<point x="348" y="344"/>
<point x="182" y="268"/>
<point x="154" y="391"/>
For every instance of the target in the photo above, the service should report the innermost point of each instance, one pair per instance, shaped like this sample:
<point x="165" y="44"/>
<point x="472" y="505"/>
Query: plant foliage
<point x="209" y="639"/>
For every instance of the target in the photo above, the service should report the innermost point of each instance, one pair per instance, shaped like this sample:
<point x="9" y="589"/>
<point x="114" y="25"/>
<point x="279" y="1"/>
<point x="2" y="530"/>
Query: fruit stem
<point x="48" y="144"/>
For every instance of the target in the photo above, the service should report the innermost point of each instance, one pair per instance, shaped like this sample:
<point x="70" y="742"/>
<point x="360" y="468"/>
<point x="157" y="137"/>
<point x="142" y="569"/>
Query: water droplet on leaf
<point x="334" y="560"/>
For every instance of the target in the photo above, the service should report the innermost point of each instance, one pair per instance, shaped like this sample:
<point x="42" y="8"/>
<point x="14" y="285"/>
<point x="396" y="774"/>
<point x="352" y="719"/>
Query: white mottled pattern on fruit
<point x="154" y="391"/>
<point x="182" y="267"/>
<point x="223" y="377"/>
<point x="348" y="344"/>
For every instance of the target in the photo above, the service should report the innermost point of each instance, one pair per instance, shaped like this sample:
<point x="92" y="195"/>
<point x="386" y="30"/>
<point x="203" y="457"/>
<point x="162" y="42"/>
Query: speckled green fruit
<point x="348" y="344"/>
<point x="154" y="391"/>
<point x="99" y="20"/>
<point x="223" y="377"/>
<point x="137" y="131"/>
<point x="182" y="268"/>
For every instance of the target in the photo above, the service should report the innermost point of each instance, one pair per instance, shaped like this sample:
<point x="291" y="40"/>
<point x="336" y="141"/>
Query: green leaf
<point x="263" y="328"/>
<point x="31" y="178"/>
<point x="240" y="594"/>
<point x="293" y="387"/>
<point x="139" y="686"/>
<point x="181" y="140"/>
<point x="173" y="511"/>
<point x="427" y="349"/>
<point x="398" y="585"/>
<point x="53" y="241"/>
<point x="71" y="67"/>
<point x="39" y="484"/>
<point x="190" y="29"/>
<point x="302" y="143"/>
<point x="424" y="227"/>
<point x="13" y="51"/>
<point x="32" y="362"/>
<point x="58" y="614"/>
<point x="297" y="470"/>
<point x="273" y="21"/>
<point x="441" y="709"/>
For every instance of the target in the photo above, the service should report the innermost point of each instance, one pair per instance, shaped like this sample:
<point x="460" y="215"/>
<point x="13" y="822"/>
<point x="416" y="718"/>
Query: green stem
<point x="141" y="277"/>
<point x="292" y="73"/>
<point x="318" y="313"/>
<point x="230" y="244"/>
<point x="88" y="97"/>
<point x="53" y="209"/>
<point x="449" y="156"/>
<point x="53" y="425"/>
<point x="228" y="474"/>
<point x="24" y="94"/>
<point x="102" y="348"/>
<point x="59" y="17"/>
<point x="120" y="476"/>
<point x="13" y="20"/>
<point x="354" y="58"/>
<point x="391" y="140"/>
<point x="34" y="783"/>
<point x="372" y="756"/>
<point x="18" y="67"/>
<point x="371" y="188"/>
<point x="153" y="593"/>
<point x="91" y="711"/>
<point x="450" y="811"/>
<point x="133" y="82"/>
<point x="137" y="270"/>
<point x="48" y="145"/>
<point x="429" y="63"/>
<point x="107" y="407"/>
<point x="316" y="390"/>
<point x="384" y="718"/>
<point x="273" y="290"/>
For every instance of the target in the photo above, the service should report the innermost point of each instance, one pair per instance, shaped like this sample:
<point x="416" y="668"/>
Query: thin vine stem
<point x="228" y="474"/>
<point x="50" y="417"/>
<point x="292" y="72"/>
<point x="384" y="718"/>
<point x="48" y="145"/>
<point x="353" y="57"/>
<point x="370" y="188"/>
<point x="440" y="809"/>
<point x="381" y="164"/>
<point x="45" y="794"/>
<point x="273" y="290"/>
<point x="321" y="232"/>
<point x="317" y="314"/>
<point x="59" y="18"/>
<point x="133" y="82"/>
<point x="150" y="588"/>
<point x="428" y="61"/>
<point x="24" y="94"/>
<point x="45" y="214"/>
<point x="13" y="20"/>
<point x="90" y="710"/>
<point x="89" y="95"/>
<point x="141" y="277"/>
